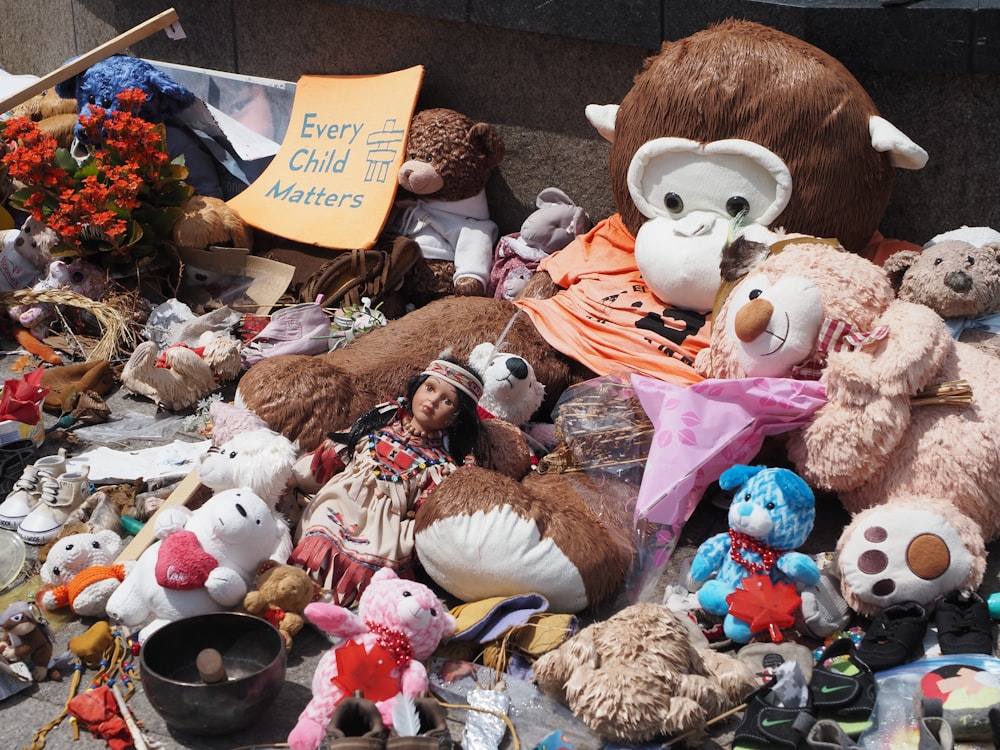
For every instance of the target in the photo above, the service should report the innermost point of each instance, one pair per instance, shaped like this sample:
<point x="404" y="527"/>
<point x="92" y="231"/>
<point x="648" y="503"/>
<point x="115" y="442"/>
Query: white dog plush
<point x="206" y="565"/>
<point x="510" y="389"/>
<point x="260" y="460"/>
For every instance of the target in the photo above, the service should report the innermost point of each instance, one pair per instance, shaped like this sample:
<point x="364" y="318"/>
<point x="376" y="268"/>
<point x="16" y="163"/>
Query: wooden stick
<point x="137" y="739"/>
<point x="119" y="43"/>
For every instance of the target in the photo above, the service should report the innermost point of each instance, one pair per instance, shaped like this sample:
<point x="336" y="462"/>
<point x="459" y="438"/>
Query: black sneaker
<point x="895" y="636"/>
<point x="766" y="725"/>
<point x="964" y="625"/>
<point x="843" y="688"/>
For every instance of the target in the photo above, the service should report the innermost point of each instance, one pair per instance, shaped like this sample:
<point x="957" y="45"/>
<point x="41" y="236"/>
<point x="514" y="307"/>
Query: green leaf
<point x="64" y="160"/>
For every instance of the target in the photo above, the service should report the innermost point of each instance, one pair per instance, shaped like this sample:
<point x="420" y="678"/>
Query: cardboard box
<point x="11" y="431"/>
<point x="255" y="283"/>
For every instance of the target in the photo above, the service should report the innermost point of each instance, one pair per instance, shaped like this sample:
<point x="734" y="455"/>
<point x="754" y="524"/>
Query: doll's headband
<point x="457" y="376"/>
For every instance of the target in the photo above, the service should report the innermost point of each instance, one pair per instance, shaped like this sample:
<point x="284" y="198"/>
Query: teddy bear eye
<point x="737" y="205"/>
<point x="56" y="571"/>
<point x="434" y="612"/>
<point x="747" y="497"/>
<point x="769" y="506"/>
<point x="937" y="261"/>
<point x="233" y="454"/>
<point x="95" y="544"/>
<point x="91" y="99"/>
<point x="755" y="293"/>
<point x="673" y="203"/>
<point x="407" y="593"/>
<point x="970" y="260"/>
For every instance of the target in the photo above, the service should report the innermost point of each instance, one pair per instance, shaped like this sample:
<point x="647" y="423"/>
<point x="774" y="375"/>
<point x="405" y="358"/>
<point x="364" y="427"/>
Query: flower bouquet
<point x="115" y="206"/>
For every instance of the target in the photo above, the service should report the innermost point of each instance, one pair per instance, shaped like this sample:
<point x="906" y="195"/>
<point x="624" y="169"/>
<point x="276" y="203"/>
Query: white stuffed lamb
<point x="260" y="460"/>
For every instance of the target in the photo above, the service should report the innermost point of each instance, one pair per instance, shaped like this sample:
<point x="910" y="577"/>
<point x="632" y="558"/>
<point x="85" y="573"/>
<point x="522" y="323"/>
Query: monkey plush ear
<point x="602" y="117"/>
<point x="887" y="138"/>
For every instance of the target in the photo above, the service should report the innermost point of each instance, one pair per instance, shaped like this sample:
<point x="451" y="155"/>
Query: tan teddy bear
<point x="958" y="280"/>
<point x="282" y="593"/>
<point x="643" y="674"/>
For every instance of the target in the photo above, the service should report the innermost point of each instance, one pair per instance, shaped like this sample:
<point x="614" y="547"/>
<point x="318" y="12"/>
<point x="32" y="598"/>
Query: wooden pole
<point x="119" y="43"/>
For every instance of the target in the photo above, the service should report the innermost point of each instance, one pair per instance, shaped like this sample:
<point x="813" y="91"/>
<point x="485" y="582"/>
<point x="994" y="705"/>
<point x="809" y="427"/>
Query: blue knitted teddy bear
<point x="772" y="512"/>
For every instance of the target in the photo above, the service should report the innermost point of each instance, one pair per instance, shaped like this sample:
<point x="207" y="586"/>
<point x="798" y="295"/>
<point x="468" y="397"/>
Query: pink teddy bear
<point x="399" y="623"/>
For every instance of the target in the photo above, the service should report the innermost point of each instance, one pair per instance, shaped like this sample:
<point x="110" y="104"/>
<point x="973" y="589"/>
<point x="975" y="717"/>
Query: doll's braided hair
<point x="463" y="433"/>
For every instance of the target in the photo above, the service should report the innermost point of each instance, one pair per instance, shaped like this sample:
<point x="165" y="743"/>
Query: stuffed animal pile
<point x="633" y="294"/>
<point x="920" y="473"/>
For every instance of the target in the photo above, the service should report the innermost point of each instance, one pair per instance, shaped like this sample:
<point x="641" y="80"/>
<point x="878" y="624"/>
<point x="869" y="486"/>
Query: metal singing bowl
<point x="253" y="655"/>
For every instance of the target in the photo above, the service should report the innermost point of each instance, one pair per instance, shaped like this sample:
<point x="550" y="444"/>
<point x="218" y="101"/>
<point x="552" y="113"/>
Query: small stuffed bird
<point x="175" y="380"/>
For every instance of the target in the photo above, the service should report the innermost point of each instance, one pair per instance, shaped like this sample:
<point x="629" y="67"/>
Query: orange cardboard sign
<point x="333" y="181"/>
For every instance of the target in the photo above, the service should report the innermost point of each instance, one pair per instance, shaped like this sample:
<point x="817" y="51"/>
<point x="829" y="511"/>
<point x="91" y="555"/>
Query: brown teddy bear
<point x="282" y="593"/>
<point x="958" y="280"/>
<point x="591" y="307"/>
<point x="442" y="204"/>
<point x="920" y="472"/>
<point x="642" y="675"/>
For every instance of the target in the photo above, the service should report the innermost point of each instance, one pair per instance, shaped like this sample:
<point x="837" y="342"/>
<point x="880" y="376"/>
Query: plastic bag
<point x="604" y="438"/>
<point x="159" y="427"/>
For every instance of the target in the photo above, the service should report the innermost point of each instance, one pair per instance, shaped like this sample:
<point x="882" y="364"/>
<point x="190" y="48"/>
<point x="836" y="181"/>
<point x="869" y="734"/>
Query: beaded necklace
<point x="397" y="456"/>
<point x="768" y="554"/>
<point x="393" y="641"/>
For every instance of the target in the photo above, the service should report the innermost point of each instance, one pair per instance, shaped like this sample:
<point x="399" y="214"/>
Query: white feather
<point x="405" y="719"/>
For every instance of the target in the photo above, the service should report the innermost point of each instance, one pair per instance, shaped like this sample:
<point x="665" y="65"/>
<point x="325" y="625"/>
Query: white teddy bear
<point x="205" y="564"/>
<point x="80" y="572"/>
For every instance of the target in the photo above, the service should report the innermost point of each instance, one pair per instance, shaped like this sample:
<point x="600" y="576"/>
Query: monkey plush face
<point x="737" y="129"/>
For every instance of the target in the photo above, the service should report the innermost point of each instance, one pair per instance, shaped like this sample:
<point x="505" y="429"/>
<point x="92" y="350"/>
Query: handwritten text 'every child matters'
<point x="329" y="156"/>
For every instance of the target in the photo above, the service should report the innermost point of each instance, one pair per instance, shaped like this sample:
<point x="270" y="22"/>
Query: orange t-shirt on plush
<point x="606" y="318"/>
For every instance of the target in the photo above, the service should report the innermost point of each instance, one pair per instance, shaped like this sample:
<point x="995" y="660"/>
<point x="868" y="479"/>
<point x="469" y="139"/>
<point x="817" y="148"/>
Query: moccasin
<point x="963" y="623"/>
<point x="895" y="636"/>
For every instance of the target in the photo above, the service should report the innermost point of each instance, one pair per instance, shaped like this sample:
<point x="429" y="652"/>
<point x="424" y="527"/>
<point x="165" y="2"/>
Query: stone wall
<point x="530" y="69"/>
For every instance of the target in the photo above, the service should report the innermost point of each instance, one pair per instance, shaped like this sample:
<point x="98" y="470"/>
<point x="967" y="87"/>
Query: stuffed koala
<point x="206" y="565"/>
<point x="397" y="626"/>
<point x="449" y="159"/>
<point x="80" y="573"/>
<point x="920" y="475"/>
<point x="771" y="514"/>
<point x="643" y="675"/>
<point x="958" y="280"/>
